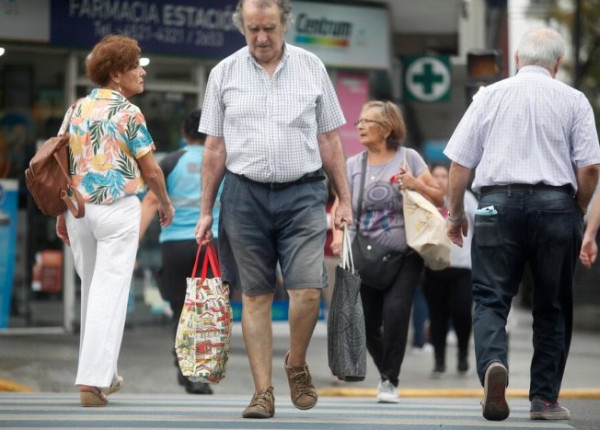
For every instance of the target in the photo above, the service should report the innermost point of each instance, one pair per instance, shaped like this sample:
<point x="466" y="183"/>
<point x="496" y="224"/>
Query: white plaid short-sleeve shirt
<point x="527" y="129"/>
<point x="270" y="123"/>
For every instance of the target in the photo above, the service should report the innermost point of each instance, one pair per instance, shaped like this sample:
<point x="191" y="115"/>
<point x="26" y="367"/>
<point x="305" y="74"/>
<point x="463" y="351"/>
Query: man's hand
<point x="343" y="214"/>
<point x="203" y="229"/>
<point x="456" y="231"/>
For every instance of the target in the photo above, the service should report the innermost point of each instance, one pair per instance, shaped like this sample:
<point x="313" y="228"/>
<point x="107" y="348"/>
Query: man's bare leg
<point x="258" y="337"/>
<point x="303" y="314"/>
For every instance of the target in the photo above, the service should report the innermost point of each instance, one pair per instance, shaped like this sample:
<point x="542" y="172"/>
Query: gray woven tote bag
<point x="346" y="338"/>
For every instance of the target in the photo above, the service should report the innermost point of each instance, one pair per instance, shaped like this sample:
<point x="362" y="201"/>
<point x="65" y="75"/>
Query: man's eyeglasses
<point x="366" y="121"/>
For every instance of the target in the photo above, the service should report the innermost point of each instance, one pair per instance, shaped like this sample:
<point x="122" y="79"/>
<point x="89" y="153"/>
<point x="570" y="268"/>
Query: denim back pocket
<point x="486" y="231"/>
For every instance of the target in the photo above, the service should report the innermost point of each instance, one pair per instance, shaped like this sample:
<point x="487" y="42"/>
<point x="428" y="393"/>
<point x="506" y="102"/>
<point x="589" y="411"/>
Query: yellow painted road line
<point x="574" y="393"/>
<point x="6" y="385"/>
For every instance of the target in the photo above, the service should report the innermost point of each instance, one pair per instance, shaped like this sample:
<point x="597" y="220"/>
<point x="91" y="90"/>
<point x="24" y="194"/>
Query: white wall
<point x="525" y="15"/>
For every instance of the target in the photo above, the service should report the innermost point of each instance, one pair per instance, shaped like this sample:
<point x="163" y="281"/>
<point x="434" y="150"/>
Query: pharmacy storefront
<point x="43" y="47"/>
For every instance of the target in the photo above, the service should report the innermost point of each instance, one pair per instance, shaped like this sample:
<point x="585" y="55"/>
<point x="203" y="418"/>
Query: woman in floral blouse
<point x="111" y="159"/>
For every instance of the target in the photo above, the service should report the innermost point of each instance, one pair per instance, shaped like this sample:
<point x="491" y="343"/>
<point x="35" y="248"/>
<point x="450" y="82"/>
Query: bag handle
<point x="406" y="166"/>
<point x="210" y="257"/>
<point x="361" y="190"/>
<point x="347" y="260"/>
<point x="79" y="210"/>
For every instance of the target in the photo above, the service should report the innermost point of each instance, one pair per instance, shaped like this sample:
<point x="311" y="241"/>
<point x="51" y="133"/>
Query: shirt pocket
<point x="296" y="110"/>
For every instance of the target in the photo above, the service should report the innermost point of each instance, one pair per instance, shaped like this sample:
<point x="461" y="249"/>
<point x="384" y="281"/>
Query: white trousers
<point x="104" y="244"/>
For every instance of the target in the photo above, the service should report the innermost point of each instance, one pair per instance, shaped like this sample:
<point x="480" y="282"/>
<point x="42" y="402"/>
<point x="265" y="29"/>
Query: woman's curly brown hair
<point x="111" y="55"/>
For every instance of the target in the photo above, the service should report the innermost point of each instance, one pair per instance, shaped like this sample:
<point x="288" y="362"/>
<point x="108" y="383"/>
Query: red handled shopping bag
<point x="204" y="328"/>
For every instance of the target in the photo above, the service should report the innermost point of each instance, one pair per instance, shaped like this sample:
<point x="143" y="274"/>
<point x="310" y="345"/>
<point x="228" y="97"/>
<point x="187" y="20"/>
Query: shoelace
<point x="261" y="399"/>
<point x="302" y="381"/>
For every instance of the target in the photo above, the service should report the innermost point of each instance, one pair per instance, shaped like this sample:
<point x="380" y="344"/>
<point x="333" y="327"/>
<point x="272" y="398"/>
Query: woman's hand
<point x="165" y="214"/>
<point x="404" y="180"/>
<point x="61" y="229"/>
<point x="336" y="244"/>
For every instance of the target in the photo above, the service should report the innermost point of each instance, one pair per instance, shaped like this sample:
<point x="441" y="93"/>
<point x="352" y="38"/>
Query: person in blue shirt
<point x="182" y="170"/>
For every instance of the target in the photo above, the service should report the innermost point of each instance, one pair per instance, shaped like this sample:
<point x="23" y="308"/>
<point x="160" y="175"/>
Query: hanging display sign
<point x="25" y="20"/>
<point x="427" y="79"/>
<point x="342" y="35"/>
<point x="352" y="89"/>
<point x="174" y="27"/>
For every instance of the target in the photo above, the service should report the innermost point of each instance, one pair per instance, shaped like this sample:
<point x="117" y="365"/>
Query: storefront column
<point x="69" y="290"/>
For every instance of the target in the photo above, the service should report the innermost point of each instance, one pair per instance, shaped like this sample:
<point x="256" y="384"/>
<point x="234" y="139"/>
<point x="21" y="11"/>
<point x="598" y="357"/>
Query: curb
<point x="6" y="385"/>
<point x="574" y="393"/>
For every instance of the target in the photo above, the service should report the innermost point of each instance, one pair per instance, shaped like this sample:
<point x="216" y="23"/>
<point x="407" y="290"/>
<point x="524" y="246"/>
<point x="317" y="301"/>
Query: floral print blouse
<point x="107" y="135"/>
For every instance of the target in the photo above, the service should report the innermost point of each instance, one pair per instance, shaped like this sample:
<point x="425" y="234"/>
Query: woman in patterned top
<point x="111" y="159"/>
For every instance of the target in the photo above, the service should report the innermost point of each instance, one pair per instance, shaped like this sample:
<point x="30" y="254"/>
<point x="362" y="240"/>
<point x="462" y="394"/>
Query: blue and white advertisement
<point x="8" y="240"/>
<point x="172" y="27"/>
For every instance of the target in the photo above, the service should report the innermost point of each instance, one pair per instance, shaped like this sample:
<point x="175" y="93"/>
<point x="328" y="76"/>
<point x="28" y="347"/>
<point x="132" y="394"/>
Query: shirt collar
<point x="534" y="69"/>
<point x="106" y="94"/>
<point x="284" y="56"/>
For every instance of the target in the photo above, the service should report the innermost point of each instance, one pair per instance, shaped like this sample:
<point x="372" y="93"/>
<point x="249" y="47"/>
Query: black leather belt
<point x="317" y="175"/>
<point x="525" y="187"/>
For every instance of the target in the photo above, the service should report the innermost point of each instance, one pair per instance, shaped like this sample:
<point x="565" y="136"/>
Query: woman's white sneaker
<point x="387" y="393"/>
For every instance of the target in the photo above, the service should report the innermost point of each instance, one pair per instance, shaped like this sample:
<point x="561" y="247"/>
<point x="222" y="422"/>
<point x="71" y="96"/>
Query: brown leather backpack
<point x="47" y="178"/>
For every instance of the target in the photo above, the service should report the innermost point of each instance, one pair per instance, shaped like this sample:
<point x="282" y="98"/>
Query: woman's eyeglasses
<point x="366" y="122"/>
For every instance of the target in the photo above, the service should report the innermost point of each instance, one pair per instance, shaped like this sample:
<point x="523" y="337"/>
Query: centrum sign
<point x="427" y="79"/>
<point x="341" y="35"/>
<point x="322" y="31"/>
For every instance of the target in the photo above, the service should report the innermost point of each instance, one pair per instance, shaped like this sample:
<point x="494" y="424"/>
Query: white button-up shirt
<point x="526" y="129"/>
<point x="270" y="123"/>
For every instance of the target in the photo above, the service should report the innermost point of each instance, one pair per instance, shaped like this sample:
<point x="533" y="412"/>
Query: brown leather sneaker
<point x="303" y="392"/>
<point x="262" y="405"/>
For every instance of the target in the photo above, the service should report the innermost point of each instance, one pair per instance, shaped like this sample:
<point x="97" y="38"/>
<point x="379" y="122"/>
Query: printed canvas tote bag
<point x="204" y="328"/>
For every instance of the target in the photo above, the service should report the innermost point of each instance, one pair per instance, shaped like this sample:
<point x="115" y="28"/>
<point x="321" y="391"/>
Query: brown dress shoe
<point x="262" y="405"/>
<point x="303" y="392"/>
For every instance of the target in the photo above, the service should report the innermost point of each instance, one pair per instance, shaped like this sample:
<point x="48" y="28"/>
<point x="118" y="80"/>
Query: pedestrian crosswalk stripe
<point x="134" y="411"/>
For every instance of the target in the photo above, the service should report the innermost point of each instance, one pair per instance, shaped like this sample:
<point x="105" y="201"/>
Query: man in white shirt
<point x="533" y="144"/>
<point x="271" y="116"/>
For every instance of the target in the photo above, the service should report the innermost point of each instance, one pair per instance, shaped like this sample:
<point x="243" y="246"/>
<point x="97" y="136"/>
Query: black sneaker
<point x="193" y="387"/>
<point x="463" y="365"/>
<point x="495" y="407"/>
<point x="543" y="410"/>
<point x="438" y="371"/>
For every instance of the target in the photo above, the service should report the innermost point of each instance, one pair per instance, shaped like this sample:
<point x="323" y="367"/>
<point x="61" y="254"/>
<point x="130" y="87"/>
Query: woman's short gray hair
<point x="285" y="7"/>
<point x="542" y="47"/>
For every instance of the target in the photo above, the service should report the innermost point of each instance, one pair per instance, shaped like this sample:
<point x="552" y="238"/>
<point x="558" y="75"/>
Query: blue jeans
<point x="544" y="229"/>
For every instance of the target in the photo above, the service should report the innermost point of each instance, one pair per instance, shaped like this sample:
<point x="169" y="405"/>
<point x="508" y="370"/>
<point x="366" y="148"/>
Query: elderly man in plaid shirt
<point x="533" y="144"/>
<point x="271" y="116"/>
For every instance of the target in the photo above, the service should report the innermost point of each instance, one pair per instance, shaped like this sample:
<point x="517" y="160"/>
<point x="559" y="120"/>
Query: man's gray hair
<point x="542" y="47"/>
<point x="285" y="7"/>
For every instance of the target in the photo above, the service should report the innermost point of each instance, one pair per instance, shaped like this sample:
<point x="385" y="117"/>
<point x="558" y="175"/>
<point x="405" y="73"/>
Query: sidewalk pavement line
<point x="573" y="393"/>
<point x="6" y="385"/>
